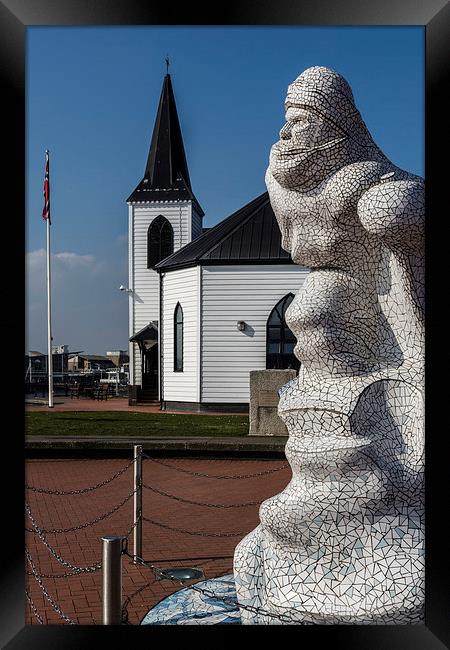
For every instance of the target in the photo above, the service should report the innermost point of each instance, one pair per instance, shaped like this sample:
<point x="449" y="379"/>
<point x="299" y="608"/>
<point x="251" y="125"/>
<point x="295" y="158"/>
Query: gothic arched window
<point x="280" y="341"/>
<point x="178" y="339"/>
<point x="159" y="241"/>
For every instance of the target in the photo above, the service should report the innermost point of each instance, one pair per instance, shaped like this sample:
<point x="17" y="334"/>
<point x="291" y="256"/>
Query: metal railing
<point x="41" y="534"/>
<point x="114" y="609"/>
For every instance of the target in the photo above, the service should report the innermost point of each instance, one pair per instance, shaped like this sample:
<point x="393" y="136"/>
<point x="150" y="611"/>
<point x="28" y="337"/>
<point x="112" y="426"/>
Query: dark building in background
<point x="36" y="362"/>
<point x="119" y="357"/>
<point x="90" y="362"/>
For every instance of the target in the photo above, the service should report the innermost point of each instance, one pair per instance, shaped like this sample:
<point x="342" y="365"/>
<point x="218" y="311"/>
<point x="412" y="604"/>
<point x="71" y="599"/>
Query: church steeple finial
<point x="167" y="63"/>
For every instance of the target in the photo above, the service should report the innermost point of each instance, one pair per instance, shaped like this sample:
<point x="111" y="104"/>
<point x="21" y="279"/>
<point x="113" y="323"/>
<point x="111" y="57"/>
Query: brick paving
<point x="111" y="404"/>
<point x="79" y="597"/>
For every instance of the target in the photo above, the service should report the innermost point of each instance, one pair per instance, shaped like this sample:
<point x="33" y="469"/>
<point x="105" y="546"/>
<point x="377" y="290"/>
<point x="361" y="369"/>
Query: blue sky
<point x="92" y="96"/>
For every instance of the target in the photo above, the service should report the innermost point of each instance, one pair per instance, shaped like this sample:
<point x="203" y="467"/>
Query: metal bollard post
<point x="112" y="579"/>
<point x="137" y="551"/>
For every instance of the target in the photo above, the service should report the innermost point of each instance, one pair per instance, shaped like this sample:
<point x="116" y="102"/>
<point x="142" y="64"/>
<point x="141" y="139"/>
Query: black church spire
<point x="166" y="159"/>
<point x="166" y="173"/>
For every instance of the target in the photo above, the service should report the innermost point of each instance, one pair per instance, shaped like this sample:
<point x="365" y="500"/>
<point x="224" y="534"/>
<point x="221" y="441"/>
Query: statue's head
<point x="323" y="130"/>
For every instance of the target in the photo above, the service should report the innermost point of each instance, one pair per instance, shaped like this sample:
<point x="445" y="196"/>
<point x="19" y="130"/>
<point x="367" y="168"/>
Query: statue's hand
<point x="395" y="212"/>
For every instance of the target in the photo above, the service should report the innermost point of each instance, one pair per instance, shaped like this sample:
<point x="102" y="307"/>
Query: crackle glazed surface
<point x="344" y="542"/>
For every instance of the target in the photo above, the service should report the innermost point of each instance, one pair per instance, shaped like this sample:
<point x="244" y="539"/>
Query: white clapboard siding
<point x="181" y="286"/>
<point x="230" y="294"/>
<point x="144" y="303"/>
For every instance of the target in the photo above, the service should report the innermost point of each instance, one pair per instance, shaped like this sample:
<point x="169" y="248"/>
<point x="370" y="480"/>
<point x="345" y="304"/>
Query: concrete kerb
<point x="232" y="447"/>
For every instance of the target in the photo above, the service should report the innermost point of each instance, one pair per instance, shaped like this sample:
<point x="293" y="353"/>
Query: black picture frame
<point x="15" y="17"/>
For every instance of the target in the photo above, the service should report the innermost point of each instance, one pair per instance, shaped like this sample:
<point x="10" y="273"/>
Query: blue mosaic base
<point x="189" y="607"/>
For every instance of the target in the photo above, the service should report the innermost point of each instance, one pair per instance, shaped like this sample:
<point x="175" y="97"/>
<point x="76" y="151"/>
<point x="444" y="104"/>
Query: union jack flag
<point x="46" y="210"/>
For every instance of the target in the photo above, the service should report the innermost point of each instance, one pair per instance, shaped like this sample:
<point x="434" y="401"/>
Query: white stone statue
<point x="344" y="541"/>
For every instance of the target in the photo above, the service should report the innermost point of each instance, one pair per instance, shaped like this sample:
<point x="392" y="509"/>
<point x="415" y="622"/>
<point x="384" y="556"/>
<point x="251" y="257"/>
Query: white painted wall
<point x="229" y="294"/>
<point x="144" y="301"/>
<point x="181" y="286"/>
<point x="131" y="346"/>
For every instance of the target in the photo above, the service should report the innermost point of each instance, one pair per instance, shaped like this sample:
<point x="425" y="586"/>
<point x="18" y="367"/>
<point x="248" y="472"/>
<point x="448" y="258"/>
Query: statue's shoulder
<point x="355" y="172"/>
<point x="395" y="203"/>
<point x="395" y="190"/>
<point x="356" y="177"/>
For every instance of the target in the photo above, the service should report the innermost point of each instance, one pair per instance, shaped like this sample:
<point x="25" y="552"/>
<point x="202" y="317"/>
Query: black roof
<point x="166" y="173"/>
<point x="247" y="236"/>
<point x="93" y="357"/>
<point x="147" y="333"/>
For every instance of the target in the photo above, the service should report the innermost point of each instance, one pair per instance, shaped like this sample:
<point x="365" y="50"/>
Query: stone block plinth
<point x="264" y="385"/>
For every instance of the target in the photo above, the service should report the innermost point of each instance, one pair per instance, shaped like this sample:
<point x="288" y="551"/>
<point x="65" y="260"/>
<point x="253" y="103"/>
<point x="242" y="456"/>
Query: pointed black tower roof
<point x="166" y="173"/>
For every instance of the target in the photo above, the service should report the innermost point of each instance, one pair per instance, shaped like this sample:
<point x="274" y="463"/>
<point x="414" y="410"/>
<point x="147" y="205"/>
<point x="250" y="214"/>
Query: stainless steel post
<point x="137" y="551"/>
<point x="112" y="579"/>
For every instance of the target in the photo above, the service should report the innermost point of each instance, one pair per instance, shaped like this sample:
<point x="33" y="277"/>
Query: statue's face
<point x="310" y="146"/>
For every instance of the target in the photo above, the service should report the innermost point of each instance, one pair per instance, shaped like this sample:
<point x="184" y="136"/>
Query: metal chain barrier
<point x="33" y="606"/>
<point x="74" y="570"/>
<point x="128" y="599"/>
<point x="131" y="530"/>
<point x="56" y="555"/>
<point x="81" y="490"/>
<point x="190" y="532"/>
<point x="89" y="523"/>
<point x="150" y="564"/>
<point x="231" y="601"/>
<point x="284" y="618"/>
<point x="199" y="503"/>
<point x="60" y="575"/>
<point x="139" y="560"/>
<point x="62" y="460"/>
<point x="223" y="476"/>
<point x="55" y="606"/>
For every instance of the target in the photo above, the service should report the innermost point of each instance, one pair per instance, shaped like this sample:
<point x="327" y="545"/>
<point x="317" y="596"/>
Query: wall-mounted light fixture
<point x="122" y="288"/>
<point x="240" y="325"/>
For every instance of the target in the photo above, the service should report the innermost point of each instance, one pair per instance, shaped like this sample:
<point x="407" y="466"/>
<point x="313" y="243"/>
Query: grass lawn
<point x="116" y="423"/>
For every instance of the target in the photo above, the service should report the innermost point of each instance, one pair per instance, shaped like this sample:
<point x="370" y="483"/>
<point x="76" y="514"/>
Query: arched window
<point x="280" y="340"/>
<point x="178" y="339"/>
<point x="159" y="241"/>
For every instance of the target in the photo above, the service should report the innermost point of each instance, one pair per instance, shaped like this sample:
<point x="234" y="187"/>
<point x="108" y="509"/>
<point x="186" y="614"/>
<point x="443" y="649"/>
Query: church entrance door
<point x="147" y="340"/>
<point x="150" y="371"/>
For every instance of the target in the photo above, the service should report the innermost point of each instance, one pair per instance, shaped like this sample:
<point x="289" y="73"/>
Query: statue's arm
<point x="395" y="212"/>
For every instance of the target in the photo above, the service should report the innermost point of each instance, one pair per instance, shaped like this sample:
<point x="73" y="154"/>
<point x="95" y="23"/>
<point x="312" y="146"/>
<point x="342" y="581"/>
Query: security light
<point x="240" y="325"/>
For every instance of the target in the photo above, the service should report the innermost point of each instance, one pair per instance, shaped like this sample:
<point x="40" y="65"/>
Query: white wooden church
<point x="206" y="306"/>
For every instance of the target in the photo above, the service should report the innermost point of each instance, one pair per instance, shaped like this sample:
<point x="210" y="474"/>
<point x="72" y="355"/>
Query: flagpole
<point x="49" y="319"/>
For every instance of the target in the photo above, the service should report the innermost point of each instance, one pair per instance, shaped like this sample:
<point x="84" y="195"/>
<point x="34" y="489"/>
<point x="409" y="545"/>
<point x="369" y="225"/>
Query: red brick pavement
<point x="79" y="596"/>
<point x="112" y="404"/>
